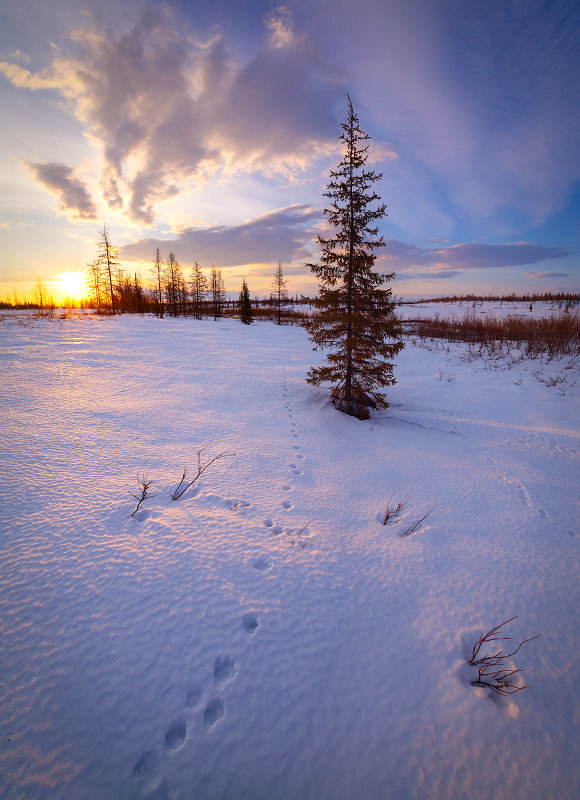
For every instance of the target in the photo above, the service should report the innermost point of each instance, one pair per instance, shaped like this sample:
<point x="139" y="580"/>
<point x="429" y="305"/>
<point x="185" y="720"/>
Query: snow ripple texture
<point x="197" y="649"/>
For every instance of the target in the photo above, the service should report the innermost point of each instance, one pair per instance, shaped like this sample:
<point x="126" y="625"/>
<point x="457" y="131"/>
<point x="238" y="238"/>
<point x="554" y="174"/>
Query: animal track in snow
<point x="295" y="447"/>
<point x="236" y="503"/>
<point x="250" y="623"/>
<point x="213" y="711"/>
<point x="268" y="522"/>
<point x="297" y="471"/>
<point x="145" y="514"/>
<point x="286" y="488"/>
<point x="262" y="564"/>
<point x="287" y="505"/>
<point x="148" y="766"/>
<point x="194" y="696"/>
<point x="277" y="530"/>
<point x="224" y="669"/>
<point x="175" y="736"/>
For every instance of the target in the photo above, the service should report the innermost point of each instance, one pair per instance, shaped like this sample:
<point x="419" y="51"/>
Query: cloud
<point x="416" y="275"/>
<point x="546" y="274"/>
<point x="168" y="111"/>
<point x="74" y="197"/>
<point x="279" y="235"/>
<point x="281" y="28"/>
<point x="409" y="261"/>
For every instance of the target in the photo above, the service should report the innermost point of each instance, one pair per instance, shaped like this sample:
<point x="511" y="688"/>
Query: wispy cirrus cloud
<point x="410" y="262"/>
<point x="279" y="235"/>
<point x="546" y="274"/>
<point x="73" y="195"/>
<point x="167" y="110"/>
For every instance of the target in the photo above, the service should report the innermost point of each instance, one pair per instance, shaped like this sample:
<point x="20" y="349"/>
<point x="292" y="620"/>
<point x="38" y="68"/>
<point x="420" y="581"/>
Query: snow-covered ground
<point x="196" y="650"/>
<point x="496" y="308"/>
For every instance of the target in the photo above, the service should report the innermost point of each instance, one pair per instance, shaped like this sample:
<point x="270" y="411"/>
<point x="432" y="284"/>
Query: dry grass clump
<point x="556" y="335"/>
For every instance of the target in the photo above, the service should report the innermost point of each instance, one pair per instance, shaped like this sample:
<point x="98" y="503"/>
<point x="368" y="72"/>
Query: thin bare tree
<point x="280" y="291"/>
<point x="158" y="272"/>
<point x="218" y="292"/>
<point x="39" y="294"/>
<point x="109" y="262"/>
<point x="198" y="290"/>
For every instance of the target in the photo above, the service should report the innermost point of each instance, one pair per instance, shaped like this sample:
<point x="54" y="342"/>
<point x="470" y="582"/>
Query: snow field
<point x="197" y="650"/>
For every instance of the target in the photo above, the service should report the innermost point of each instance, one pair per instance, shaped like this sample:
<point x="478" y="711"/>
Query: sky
<point x="209" y="130"/>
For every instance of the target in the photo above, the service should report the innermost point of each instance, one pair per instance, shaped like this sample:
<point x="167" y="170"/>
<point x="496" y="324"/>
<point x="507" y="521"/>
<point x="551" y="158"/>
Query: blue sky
<point x="209" y="130"/>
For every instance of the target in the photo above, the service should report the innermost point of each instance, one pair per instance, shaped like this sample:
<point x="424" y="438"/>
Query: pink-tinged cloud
<point x="279" y="235"/>
<point x="73" y="195"/>
<point x="168" y="111"/>
<point x="546" y="274"/>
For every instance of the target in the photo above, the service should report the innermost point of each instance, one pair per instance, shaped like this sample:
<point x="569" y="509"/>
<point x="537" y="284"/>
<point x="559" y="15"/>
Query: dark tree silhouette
<point x="158" y="271"/>
<point x="173" y="285"/>
<point x="218" y="292"/>
<point x="246" y="313"/>
<point x="355" y="322"/>
<point x="108" y="260"/>
<point x="198" y="290"/>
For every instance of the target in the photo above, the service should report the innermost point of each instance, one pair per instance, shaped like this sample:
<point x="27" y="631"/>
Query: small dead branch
<point x="417" y="524"/>
<point x="492" y="669"/>
<point x="392" y="513"/>
<point x="302" y="542"/>
<point x="202" y="465"/>
<point x="143" y="483"/>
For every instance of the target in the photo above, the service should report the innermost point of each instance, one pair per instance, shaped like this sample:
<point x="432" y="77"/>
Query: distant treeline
<point x="131" y="297"/>
<point x="562" y="298"/>
<point x="177" y="299"/>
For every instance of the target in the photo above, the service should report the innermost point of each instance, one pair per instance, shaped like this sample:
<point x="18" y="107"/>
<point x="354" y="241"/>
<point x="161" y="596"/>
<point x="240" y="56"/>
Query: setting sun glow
<point x="72" y="284"/>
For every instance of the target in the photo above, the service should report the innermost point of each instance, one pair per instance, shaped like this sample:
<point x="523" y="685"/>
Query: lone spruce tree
<point x="355" y="321"/>
<point x="246" y="313"/>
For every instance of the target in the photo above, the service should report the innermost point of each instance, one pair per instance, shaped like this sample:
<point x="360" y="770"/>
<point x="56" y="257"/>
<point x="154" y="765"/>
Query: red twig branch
<point x="492" y="670"/>
<point x="180" y="489"/>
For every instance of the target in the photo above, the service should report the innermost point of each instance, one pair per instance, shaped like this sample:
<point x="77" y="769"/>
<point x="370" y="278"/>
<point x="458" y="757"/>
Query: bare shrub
<point x="300" y="542"/>
<point x="143" y="483"/>
<point x="415" y="526"/>
<point x="202" y="465"/>
<point x="392" y="512"/>
<point x="493" y="671"/>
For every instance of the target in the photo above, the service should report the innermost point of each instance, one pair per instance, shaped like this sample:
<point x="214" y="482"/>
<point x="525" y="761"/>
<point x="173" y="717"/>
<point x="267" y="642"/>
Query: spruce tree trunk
<point x="348" y="376"/>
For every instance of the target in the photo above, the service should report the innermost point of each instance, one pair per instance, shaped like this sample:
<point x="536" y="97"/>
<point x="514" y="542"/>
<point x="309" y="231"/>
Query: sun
<point x="72" y="284"/>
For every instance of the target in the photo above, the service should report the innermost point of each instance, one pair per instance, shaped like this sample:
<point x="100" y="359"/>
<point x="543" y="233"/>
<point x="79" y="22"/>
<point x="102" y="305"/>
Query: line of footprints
<point x="294" y="466"/>
<point x="150" y="764"/>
